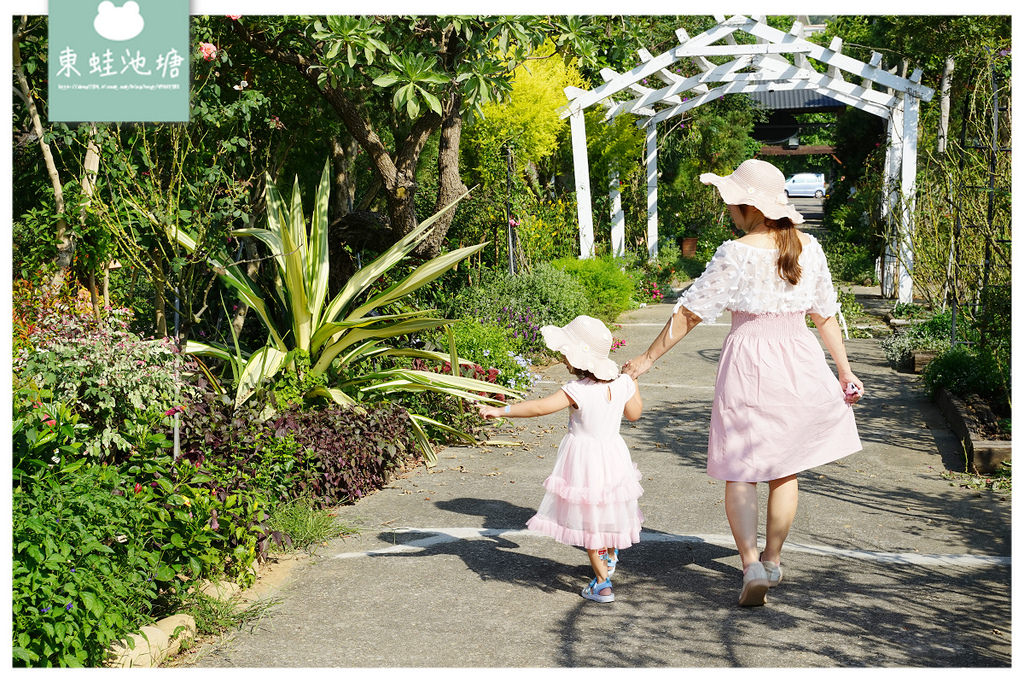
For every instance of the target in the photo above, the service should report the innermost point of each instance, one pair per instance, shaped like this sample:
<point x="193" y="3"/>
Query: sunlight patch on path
<point x="432" y="537"/>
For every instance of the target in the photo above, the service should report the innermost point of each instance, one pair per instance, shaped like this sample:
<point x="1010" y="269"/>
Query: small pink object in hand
<point x="852" y="390"/>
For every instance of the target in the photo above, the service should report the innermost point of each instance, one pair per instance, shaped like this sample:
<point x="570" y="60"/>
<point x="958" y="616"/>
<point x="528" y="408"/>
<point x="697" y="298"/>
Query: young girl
<point x="592" y="493"/>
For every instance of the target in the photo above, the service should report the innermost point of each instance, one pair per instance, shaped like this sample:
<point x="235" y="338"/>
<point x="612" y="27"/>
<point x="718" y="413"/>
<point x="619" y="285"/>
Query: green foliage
<point x="609" y="289"/>
<point x="549" y="295"/>
<point x="99" y="551"/>
<point x="527" y="120"/>
<point x="46" y="436"/>
<point x="849" y="306"/>
<point x="851" y="240"/>
<point x="34" y="249"/>
<point x="80" y="576"/>
<point x="305" y="523"/>
<point x="338" y="334"/>
<point x="964" y="370"/>
<point x="548" y="230"/>
<point x="931" y="334"/>
<point x="120" y="385"/>
<point x="500" y="347"/>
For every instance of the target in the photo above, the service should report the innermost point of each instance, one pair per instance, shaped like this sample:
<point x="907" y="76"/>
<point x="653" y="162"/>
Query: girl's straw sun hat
<point x="585" y="342"/>
<point x="759" y="184"/>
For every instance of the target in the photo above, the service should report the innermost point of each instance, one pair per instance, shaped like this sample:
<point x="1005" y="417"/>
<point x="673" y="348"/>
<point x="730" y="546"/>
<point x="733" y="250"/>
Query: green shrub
<point x="81" y="574"/>
<point x="663" y="271"/>
<point x="609" y="289"/>
<point x="498" y="346"/>
<point x="964" y="370"/>
<point x="121" y="385"/>
<point x="46" y="436"/>
<point x="931" y="334"/>
<point x="544" y="296"/>
<point x="850" y="245"/>
<point x="710" y="237"/>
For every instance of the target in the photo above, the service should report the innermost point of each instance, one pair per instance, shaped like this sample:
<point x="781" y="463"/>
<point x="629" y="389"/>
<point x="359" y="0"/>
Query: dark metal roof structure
<point x="795" y="100"/>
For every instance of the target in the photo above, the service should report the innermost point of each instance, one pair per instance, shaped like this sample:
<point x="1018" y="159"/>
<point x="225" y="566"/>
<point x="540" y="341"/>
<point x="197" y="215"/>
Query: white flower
<point x="487" y="352"/>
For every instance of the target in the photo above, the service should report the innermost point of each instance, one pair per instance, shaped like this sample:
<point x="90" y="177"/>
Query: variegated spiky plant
<point x="340" y="332"/>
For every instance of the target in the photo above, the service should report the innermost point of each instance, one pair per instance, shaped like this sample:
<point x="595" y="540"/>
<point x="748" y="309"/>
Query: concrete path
<point x="888" y="564"/>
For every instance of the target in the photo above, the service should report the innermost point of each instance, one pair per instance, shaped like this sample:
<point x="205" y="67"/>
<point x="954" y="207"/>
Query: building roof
<point x="794" y="100"/>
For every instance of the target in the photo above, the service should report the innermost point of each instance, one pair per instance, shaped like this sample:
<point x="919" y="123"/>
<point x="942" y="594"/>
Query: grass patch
<point x="306" y="525"/>
<point x="215" y="616"/>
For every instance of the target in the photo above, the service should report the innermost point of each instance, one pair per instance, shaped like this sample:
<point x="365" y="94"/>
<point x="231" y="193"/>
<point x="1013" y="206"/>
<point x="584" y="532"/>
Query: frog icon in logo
<point x="118" y="23"/>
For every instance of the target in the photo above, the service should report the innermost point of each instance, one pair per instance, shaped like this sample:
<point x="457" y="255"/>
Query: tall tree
<point x="396" y="81"/>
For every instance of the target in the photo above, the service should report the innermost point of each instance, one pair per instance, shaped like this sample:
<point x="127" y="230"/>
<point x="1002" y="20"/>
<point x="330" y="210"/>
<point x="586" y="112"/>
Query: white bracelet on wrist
<point x="508" y="409"/>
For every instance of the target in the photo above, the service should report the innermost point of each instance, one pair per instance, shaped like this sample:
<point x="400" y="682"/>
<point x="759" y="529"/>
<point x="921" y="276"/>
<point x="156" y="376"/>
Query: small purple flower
<point x="69" y="606"/>
<point x="45" y="610"/>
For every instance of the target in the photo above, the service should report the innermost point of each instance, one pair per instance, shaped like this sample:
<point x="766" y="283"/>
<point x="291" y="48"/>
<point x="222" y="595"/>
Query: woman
<point x="778" y="409"/>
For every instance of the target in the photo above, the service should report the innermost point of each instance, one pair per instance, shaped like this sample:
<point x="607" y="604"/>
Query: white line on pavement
<point x="434" y="537"/>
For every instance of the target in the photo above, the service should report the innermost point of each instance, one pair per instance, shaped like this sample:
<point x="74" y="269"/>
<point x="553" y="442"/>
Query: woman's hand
<point x="846" y="379"/>
<point x="637" y="366"/>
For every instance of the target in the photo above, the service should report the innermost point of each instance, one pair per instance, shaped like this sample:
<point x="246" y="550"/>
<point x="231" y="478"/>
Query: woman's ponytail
<point x="787" y="239"/>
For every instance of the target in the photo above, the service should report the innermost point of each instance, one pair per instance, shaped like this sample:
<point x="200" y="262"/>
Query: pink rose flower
<point x="234" y="17"/>
<point x="208" y="50"/>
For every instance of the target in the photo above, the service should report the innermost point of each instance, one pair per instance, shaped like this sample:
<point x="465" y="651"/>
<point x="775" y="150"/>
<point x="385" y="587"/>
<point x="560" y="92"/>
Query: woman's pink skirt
<point x="778" y="408"/>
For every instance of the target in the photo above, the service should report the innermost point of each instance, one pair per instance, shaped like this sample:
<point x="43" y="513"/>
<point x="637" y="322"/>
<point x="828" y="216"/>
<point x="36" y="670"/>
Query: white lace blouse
<point x="740" y="277"/>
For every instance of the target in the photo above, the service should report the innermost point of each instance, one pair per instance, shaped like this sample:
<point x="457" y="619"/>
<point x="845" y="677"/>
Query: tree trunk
<point x="94" y="295"/>
<point x="343" y="160"/>
<point x="90" y="169"/>
<point x="947" y="78"/>
<point x="252" y="270"/>
<point x="63" y="237"/>
<point x="106" y="283"/>
<point x="449" y="181"/>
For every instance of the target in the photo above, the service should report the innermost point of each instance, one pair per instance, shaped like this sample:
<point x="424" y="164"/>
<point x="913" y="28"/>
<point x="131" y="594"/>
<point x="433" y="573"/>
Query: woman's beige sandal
<point x="755" y="585"/>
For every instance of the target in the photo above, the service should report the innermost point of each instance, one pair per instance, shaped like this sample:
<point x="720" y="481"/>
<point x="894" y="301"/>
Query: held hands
<point x="637" y="366"/>
<point x="853" y="388"/>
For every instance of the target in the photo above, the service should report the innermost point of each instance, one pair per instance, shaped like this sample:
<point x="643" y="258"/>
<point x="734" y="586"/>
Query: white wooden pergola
<point x="776" y="60"/>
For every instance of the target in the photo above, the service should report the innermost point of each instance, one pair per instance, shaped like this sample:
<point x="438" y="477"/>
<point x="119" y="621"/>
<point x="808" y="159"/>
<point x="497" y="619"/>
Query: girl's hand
<point x="491" y="412"/>
<point x="853" y="388"/>
<point x="637" y="366"/>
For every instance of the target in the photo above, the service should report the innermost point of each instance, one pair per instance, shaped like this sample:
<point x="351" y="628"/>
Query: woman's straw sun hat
<point x="758" y="184"/>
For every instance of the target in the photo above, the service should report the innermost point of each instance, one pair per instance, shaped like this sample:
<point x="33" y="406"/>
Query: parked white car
<point x="806" y="185"/>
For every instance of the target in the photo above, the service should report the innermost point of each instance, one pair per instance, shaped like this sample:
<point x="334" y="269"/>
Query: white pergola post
<point x="889" y="269"/>
<point x="581" y="171"/>
<point x="652" y="190"/>
<point x="908" y="188"/>
<point x="618" y="219"/>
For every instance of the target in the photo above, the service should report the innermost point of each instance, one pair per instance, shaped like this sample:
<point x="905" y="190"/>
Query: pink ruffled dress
<point x="592" y="493"/>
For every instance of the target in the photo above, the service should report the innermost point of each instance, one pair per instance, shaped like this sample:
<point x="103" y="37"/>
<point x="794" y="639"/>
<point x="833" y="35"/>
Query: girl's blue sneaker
<point x="611" y="559"/>
<point x="593" y="591"/>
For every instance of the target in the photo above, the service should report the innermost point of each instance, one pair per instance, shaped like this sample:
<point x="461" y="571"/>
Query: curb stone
<point x="157" y="642"/>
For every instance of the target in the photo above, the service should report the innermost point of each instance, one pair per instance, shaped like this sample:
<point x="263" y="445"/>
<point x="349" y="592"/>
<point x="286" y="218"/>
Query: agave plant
<point x="344" y="331"/>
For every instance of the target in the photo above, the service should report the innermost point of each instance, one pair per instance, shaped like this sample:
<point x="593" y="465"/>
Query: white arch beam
<point x="770" y="70"/>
